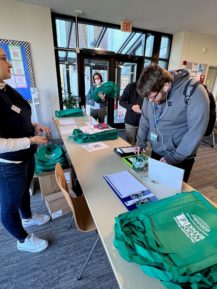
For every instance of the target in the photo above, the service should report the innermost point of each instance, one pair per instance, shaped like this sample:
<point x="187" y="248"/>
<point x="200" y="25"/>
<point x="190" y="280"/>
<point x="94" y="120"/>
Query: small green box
<point x="129" y="159"/>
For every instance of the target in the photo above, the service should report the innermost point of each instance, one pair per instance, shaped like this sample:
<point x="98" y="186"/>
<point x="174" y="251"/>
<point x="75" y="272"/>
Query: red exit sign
<point x="126" y="26"/>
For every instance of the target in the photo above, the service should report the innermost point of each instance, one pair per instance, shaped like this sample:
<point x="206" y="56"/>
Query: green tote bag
<point x="72" y="112"/>
<point x="81" y="137"/>
<point x="109" y="88"/>
<point x="47" y="156"/>
<point x="173" y="240"/>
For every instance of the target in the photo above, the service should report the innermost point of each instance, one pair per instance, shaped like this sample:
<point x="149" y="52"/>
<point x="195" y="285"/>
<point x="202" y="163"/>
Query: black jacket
<point x="129" y="98"/>
<point x="15" y="122"/>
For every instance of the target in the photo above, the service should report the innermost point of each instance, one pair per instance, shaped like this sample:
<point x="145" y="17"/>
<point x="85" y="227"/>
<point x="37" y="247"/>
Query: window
<point x="164" y="47"/>
<point x="65" y="31"/>
<point x="149" y="45"/>
<point x="68" y="73"/>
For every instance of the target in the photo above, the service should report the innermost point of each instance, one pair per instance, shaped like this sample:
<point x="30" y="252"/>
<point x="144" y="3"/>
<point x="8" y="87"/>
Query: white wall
<point x="176" y="51"/>
<point x="31" y="23"/>
<point x="193" y="47"/>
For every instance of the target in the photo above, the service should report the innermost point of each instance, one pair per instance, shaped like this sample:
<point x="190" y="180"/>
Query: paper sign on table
<point x="95" y="146"/>
<point x="67" y="121"/>
<point x="67" y="129"/>
<point x="165" y="174"/>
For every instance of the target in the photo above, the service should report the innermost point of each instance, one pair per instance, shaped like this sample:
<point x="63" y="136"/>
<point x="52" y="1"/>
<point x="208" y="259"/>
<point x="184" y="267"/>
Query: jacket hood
<point x="179" y="77"/>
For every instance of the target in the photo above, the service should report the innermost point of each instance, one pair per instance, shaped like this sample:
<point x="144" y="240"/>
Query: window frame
<point x="154" y="58"/>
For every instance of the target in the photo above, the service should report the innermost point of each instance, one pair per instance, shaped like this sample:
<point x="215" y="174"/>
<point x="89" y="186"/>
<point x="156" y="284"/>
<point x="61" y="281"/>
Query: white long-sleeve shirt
<point x="12" y="145"/>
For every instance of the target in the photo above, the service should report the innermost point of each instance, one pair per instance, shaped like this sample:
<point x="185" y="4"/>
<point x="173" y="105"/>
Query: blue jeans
<point x="131" y="133"/>
<point x="15" y="180"/>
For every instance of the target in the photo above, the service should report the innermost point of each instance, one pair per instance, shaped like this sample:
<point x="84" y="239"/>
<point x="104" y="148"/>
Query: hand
<point x="42" y="129"/>
<point x="138" y="150"/>
<point x="136" y="108"/>
<point x="38" y="140"/>
<point x="163" y="160"/>
<point x="101" y="95"/>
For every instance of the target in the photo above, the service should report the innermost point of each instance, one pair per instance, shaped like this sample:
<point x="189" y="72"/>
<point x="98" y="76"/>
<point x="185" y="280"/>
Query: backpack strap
<point x="189" y="89"/>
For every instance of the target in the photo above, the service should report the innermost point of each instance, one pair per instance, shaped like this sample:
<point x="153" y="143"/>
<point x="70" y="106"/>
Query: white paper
<point x="95" y="146"/>
<point x="66" y="129"/>
<point x="127" y="150"/>
<point x="67" y="121"/>
<point x="125" y="184"/>
<point x="165" y="174"/>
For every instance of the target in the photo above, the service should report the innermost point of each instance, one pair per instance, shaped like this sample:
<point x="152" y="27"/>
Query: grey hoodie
<point x="181" y="126"/>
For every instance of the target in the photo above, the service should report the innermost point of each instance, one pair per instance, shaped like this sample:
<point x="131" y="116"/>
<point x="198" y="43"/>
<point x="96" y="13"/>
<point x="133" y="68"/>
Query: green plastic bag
<point x="69" y="112"/>
<point x="173" y="239"/>
<point x="47" y="156"/>
<point x="81" y="137"/>
<point x="110" y="89"/>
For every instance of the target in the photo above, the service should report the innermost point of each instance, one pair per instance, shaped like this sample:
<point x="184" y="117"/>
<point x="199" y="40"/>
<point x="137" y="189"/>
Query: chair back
<point x="78" y="205"/>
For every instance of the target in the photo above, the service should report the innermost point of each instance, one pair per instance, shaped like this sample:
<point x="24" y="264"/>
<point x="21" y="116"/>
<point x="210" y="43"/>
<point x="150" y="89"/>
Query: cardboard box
<point x="57" y="205"/>
<point x="48" y="184"/>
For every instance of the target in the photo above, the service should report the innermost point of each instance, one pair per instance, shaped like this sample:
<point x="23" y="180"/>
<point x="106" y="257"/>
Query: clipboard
<point x="135" y="194"/>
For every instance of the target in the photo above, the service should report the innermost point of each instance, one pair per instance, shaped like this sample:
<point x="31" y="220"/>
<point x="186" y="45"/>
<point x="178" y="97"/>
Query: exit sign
<point x="126" y="26"/>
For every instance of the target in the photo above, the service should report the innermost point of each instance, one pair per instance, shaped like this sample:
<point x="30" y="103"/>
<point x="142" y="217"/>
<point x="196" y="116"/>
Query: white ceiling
<point x="170" y="16"/>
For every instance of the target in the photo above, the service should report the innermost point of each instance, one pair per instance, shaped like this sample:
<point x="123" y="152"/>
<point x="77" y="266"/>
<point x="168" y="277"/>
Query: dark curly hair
<point x="98" y="74"/>
<point x="152" y="79"/>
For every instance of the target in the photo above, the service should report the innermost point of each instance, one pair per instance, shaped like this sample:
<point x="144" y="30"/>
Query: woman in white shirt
<point x="18" y="143"/>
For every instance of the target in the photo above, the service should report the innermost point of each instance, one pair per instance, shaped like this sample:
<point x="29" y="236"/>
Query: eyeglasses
<point x="155" y="95"/>
<point x="4" y="58"/>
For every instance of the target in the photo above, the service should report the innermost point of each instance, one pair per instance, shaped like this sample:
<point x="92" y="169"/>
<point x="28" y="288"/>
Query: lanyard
<point x="156" y="120"/>
<point x="162" y="112"/>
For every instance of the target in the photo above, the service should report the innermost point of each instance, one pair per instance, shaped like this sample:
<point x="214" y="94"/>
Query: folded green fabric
<point x="81" y="137"/>
<point x="69" y="112"/>
<point x="110" y="89"/>
<point x="47" y="156"/>
<point x="173" y="240"/>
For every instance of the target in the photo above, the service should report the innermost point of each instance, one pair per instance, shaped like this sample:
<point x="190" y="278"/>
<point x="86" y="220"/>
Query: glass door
<point x="125" y="73"/>
<point x="92" y="66"/>
<point x="118" y="68"/>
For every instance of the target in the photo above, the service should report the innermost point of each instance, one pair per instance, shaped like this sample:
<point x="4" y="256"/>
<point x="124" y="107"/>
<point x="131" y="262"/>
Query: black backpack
<point x="188" y="91"/>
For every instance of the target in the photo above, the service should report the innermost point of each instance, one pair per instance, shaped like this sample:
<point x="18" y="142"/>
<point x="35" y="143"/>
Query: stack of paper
<point x="129" y="190"/>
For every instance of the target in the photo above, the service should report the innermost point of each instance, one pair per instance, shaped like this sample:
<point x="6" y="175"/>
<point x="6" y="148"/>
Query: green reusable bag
<point x="76" y="111"/>
<point x="81" y="137"/>
<point x="47" y="156"/>
<point x="110" y="89"/>
<point x="173" y="240"/>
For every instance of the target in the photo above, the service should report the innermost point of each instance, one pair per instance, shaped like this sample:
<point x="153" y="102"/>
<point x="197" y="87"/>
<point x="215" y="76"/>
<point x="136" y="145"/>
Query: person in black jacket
<point x="18" y="142"/>
<point x="132" y="101"/>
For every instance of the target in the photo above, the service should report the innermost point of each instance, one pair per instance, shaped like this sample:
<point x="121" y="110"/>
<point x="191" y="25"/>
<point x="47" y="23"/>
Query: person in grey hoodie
<point x="173" y="127"/>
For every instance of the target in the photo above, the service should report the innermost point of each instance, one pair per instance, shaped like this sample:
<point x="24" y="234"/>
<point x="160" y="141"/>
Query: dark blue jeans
<point x="15" y="180"/>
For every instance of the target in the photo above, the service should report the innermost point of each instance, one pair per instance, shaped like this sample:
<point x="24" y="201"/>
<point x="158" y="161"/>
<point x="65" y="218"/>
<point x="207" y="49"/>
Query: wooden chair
<point x="80" y="211"/>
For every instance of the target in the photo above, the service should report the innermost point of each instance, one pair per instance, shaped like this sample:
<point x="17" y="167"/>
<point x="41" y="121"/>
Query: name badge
<point x="15" y="108"/>
<point x="153" y="137"/>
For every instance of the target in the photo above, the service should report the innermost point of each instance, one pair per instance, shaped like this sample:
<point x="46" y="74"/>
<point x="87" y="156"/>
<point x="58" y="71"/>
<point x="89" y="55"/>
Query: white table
<point x="105" y="205"/>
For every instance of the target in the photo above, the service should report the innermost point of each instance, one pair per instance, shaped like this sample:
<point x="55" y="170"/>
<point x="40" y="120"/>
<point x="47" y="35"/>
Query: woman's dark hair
<point x="152" y="79"/>
<point x="100" y="76"/>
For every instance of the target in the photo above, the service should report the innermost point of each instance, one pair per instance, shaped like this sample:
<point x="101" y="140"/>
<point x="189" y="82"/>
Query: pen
<point x="141" y="198"/>
<point x="150" y="180"/>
